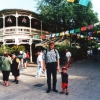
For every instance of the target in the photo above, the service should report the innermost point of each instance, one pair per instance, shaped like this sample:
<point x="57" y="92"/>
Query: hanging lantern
<point x="9" y="20"/>
<point x="24" y="20"/>
<point x="35" y="23"/>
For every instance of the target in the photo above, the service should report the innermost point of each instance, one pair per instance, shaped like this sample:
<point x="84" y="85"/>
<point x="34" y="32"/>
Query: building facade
<point x="19" y="27"/>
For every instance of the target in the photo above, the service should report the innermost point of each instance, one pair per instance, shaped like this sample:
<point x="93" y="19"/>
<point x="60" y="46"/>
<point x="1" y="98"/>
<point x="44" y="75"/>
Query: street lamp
<point x="71" y="23"/>
<point x="41" y="28"/>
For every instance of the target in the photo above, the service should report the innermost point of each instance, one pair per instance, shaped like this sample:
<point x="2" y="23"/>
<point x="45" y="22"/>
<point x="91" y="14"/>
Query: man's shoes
<point x="48" y="91"/>
<point x="14" y="81"/>
<point x="55" y="90"/>
<point x="17" y="82"/>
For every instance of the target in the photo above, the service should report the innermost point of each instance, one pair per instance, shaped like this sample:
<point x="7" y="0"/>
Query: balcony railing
<point x="20" y="30"/>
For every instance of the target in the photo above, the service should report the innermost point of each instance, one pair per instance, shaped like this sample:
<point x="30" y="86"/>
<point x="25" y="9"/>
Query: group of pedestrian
<point x="10" y="64"/>
<point x="48" y="62"/>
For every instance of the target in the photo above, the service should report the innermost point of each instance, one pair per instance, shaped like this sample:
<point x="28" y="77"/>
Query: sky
<point x="31" y="5"/>
<point x="96" y="7"/>
<point x="19" y="4"/>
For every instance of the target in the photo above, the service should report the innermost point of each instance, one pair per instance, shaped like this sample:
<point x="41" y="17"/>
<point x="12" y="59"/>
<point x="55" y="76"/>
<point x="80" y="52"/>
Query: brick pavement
<point x="84" y="84"/>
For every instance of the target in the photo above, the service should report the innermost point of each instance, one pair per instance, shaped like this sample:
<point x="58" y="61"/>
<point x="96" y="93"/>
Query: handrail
<point x="20" y="30"/>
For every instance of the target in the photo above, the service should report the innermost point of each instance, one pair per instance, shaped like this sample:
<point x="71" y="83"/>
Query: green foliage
<point x="62" y="47"/>
<point x="60" y="12"/>
<point x="17" y="49"/>
<point x="4" y="49"/>
<point x="14" y="49"/>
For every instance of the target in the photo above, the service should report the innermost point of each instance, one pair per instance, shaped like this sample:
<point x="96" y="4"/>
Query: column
<point x="31" y="53"/>
<point x="3" y="24"/>
<point x="16" y="23"/>
<point x="30" y="22"/>
<point x="30" y="43"/>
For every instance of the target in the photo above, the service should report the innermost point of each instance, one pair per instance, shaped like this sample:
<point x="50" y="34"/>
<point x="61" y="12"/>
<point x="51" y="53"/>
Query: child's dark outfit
<point x="64" y="80"/>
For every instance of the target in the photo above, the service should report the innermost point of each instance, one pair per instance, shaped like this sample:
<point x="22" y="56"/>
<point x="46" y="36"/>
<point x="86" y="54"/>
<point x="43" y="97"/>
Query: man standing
<point x="51" y="62"/>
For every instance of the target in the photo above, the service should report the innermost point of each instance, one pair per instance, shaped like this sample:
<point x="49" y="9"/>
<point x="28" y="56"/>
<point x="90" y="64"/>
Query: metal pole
<point x="41" y="28"/>
<point x="70" y="40"/>
<point x="31" y="53"/>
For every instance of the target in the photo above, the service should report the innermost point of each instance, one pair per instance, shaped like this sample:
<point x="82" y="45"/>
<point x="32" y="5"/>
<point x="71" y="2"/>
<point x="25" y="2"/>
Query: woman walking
<point x="15" y="68"/>
<point x="5" y="68"/>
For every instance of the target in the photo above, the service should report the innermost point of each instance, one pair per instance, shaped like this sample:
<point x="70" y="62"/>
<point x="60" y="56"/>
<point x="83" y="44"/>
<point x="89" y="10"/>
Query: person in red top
<point x="27" y="55"/>
<point x="64" y="77"/>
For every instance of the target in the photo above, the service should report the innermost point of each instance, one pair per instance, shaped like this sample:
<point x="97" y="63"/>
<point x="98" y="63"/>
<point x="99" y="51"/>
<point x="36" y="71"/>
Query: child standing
<point x="64" y="77"/>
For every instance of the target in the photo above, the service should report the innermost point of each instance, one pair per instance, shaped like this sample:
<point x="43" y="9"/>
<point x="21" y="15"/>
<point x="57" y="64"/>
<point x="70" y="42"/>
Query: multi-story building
<point x="20" y="27"/>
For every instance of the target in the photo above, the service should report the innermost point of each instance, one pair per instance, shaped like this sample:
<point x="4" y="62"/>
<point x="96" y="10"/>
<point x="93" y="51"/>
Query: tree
<point x="65" y="14"/>
<point x="54" y="11"/>
<point x="4" y="48"/>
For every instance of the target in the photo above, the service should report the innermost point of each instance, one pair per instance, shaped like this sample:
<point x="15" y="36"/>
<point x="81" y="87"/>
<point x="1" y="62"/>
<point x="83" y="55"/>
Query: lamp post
<point x="30" y="43"/>
<point x="41" y="28"/>
<point x="72" y="23"/>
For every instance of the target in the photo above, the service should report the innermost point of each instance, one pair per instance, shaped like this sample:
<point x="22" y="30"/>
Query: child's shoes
<point x="67" y="93"/>
<point x="61" y="92"/>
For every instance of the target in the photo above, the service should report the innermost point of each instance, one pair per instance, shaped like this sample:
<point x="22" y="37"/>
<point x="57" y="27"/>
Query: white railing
<point x="20" y="30"/>
<point x="17" y="30"/>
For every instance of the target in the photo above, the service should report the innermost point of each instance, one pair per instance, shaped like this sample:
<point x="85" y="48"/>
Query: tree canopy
<point x="65" y="14"/>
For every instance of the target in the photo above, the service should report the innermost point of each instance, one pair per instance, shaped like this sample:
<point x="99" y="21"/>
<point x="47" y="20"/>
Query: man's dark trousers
<point x="51" y="69"/>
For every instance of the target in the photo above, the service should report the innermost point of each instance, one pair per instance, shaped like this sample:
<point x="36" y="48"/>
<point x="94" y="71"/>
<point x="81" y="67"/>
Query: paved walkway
<point x="84" y="84"/>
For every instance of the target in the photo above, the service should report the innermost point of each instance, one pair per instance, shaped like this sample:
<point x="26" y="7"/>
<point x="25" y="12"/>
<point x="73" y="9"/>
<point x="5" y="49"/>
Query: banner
<point x="98" y="31"/>
<point x="53" y="35"/>
<point x="90" y="27"/>
<point x="36" y="37"/>
<point x="77" y="30"/>
<point x="49" y="36"/>
<point x="43" y="36"/>
<point x="96" y="24"/>
<point x="62" y="33"/>
<point x="71" y="31"/>
<point x="70" y="0"/>
<point x="83" y="28"/>
<point x="90" y="33"/>
<point x="88" y="37"/>
<point x="84" y="2"/>
<point x="67" y="33"/>
<point x="94" y="32"/>
<point x="57" y="34"/>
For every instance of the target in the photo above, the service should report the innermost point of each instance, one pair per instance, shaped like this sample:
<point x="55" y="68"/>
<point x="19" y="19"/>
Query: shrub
<point x="4" y="48"/>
